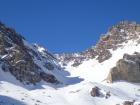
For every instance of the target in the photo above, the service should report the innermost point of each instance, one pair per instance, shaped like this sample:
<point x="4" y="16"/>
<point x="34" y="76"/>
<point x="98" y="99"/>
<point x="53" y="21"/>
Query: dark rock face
<point x="49" y="66"/>
<point x="128" y="103"/>
<point x="95" y="92"/>
<point x="48" y="78"/>
<point x="18" y="59"/>
<point x="127" y="69"/>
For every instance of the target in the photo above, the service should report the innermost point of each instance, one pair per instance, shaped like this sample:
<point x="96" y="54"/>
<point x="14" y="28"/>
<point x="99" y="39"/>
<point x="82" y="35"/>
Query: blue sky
<point x="66" y="25"/>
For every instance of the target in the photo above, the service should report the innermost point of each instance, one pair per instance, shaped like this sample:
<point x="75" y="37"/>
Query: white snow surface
<point x="76" y="89"/>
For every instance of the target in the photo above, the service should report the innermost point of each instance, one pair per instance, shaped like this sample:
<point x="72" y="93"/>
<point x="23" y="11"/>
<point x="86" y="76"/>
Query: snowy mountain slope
<point x="28" y="63"/>
<point x="115" y="36"/>
<point x="79" y="80"/>
<point x="104" y="67"/>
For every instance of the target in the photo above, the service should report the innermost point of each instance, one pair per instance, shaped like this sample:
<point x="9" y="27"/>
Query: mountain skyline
<point x="66" y="26"/>
<point x="101" y="75"/>
<point x="69" y="52"/>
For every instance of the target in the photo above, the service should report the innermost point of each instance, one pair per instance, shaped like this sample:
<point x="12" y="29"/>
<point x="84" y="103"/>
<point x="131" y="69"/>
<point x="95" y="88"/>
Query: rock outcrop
<point x="127" y="69"/>
<point x="98" y="92"/>
<point x="95" y="92"/>
<point x="128" y="102"/>
<point x="21" y="60"/>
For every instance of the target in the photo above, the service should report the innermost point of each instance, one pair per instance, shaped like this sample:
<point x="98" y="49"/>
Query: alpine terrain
<point x="108" y="73"/>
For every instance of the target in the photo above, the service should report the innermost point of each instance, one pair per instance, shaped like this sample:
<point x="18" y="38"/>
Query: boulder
<point x="128" y="103"/>
<point x="108" y="94"/>
<point x="127" y="69"/>
<point x="95" y="92"/>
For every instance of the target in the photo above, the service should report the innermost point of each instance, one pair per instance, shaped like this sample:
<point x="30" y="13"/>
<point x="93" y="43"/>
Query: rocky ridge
<point x="28" y="63"/>
<point x="116" y="35"/>
<point x="33" y="63"/>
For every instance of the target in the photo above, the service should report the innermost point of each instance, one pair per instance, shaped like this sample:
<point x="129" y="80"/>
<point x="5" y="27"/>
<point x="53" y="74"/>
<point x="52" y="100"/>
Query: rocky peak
<point x="11" y="34"/>
<point x="124" y="26"/>
<point x="22" y="59"/>
<point x="113" y="39"/>
<point x="124" y="30"/>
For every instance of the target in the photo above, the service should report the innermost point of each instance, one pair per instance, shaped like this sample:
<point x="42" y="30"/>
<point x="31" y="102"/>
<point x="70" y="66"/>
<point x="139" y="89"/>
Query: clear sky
<point x="66" y="25"/>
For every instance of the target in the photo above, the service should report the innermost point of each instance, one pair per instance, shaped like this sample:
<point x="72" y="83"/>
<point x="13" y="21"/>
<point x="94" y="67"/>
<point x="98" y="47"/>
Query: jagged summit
<point x="28" y="63"/>
<point x="115" y="36"/>
<point x="126" y="25"/>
